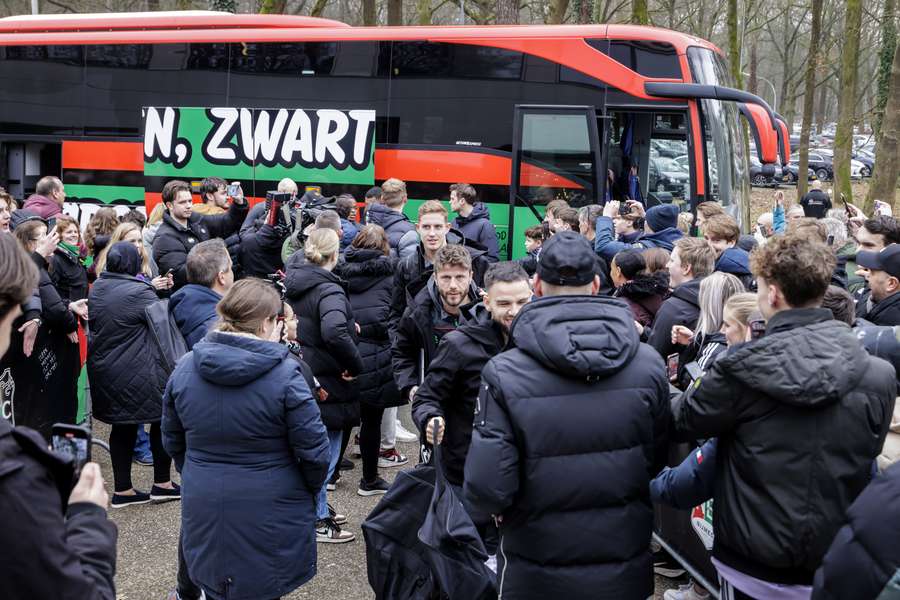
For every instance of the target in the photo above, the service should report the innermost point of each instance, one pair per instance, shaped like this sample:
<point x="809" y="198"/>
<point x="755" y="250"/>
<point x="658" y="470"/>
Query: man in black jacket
<point x="570" y="425"/>
<point x="451" y="386"/>
<point x="692" y="259"/>
<point x="883" y="279"/>
<point x="436" y="310"/>
<point x="58" y="540"/>
<point x="181" y="228"/>
<point x="800" y="415"/>
<point x="816" y="203"/>
<point x="473" y="220"/>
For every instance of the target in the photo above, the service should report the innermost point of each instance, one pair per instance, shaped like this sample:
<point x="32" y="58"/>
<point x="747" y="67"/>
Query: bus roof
<point x="212" y="26"/>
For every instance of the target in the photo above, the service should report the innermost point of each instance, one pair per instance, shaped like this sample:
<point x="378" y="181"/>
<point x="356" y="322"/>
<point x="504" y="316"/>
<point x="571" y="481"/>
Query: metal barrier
<point x="694" y="573"/>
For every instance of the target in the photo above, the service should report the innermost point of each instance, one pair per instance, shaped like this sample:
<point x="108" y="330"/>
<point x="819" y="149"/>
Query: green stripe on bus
<point x="105" y="193"/>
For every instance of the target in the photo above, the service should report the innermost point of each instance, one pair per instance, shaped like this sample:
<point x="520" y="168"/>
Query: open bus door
<point x="555" y="154"/>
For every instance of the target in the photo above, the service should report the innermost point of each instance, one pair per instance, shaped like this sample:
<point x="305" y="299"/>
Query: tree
<point x="843" y="137"/>
<point x="273" y="7"/>
<point x="558" y="10"/>
<point x="507" y="12"/>
<point x="887" y="156"/>
<point x="639" y="13"/>
<point x="885" y="60"/>
<point x="734" y="44"/>
<point x="368" y="9"/>
<point x="812" y="65"/>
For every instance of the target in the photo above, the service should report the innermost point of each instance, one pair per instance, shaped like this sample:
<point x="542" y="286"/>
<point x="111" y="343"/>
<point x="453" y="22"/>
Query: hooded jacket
<point x="42" y="206"/>
<point x="243" y="428"/>
<point x="570" y="425"/>
<point x="864" y="554"/>
<point x="451" y="388"/>
<point x="736" y="262"/>
<point x="327" y="334"/>
<point x="194" y="310"/>
<point x="400" y="230"/>
<point x="349" y="231"/>
<point x="478" y="228"/>
<point x="800" y="415"/>
<point x="370" y="281"/>
<point x="681" y="308"/>
<point x="606" y="245"/>
<point x="644" y="295"/>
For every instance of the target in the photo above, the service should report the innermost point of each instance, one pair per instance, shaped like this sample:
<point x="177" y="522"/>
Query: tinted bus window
<point x="42" y="91"/>
<point x="292" y="58"/>
<point x="650" y="59"/>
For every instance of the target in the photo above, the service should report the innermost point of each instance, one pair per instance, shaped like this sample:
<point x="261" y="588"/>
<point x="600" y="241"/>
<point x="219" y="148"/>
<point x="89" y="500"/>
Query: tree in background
<point x="843" y="137"/>
<point x="885" y="59"/>
<point x="812" y="66"/>
<point x="887" y="155"/>
<point x="639" y="13"/>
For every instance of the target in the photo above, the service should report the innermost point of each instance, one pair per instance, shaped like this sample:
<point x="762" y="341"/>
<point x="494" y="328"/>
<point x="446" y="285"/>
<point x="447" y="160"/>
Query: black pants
<point x="370" y="439"/>
<point x="121" y="449"/>
<point x="187" y="589"/>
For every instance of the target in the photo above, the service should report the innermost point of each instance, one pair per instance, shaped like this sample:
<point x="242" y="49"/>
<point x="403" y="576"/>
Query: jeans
<point x="334" y="451"/>
<point x="389" y="428"/>
<point x="142" y="446"/>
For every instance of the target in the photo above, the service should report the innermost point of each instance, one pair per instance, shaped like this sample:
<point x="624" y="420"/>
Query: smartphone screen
<point x="672" y="366"/>
<point x="234" y="190"/>
<point x="73" y="442"/>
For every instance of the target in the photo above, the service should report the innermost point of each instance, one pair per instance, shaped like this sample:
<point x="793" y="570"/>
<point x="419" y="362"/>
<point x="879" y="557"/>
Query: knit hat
<point x="662" y="217"/>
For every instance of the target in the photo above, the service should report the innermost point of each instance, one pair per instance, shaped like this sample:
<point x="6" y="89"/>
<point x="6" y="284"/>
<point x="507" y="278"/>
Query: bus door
<point x="555" y="154"/>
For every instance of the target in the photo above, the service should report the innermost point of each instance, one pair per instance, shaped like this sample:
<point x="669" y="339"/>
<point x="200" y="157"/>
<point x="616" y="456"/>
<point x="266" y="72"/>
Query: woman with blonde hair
<point x="328" y="336"/>
<point x="131" y="233"/>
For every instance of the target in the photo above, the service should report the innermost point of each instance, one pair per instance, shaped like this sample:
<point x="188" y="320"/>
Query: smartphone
<point x="757" y="326"/>
<point x="624" y="208"/>
<point x="694" y="370"/>
<point x="73" y="442"/>
<point x="672" y="366"/>
<point x="234" y="190"/>
<point x="846" y="206"/>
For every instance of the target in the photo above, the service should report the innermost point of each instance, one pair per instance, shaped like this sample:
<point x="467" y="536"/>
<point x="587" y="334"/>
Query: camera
<point x="292" y="216"/>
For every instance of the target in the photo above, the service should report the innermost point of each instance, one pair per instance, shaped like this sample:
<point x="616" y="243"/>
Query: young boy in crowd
<point x="534" y="238"/>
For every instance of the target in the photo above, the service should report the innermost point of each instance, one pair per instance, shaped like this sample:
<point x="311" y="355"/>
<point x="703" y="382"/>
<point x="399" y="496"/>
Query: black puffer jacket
<point x="478" y="227"/>
<point x="886" y="312"/>
<point x="800" y="415"/>
<point x="327" y="333"/>
<point x="451" y="388"/>
<point x="69" y="275"/>
<point x="126" y="385"/>
<point x="864" y="554"/>
<point x="570" y="428"/>
<point x="260" y="253"/>
<point x="644" y="295"/>
<point x="370" y="280"/>
<point x="396" y="225"/>
<point x="681" y="308"/>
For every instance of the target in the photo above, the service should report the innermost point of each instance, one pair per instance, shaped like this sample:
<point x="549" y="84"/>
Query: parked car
<point x="762" y="175"/>
<point x="791" y="170"/>
<point x="868" y="161"/>
<point x="667" y="176"/>
<point x="819" y="162"/>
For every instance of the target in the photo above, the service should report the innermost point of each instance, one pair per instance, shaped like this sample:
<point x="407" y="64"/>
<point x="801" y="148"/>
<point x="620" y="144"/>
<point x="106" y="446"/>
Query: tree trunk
<point x="395" y="12"/>
<point x="753" y="81"/>
<point x="887" y="154"/>
<point x="368" y="7"/>
<point x="507" y="12"/>
<point x="270" y="7"/>
<point x="885" y="60"/>
<point x="423" y="12"/>
<point x="812" y="65"/>
<point x="822" y="109"/>
<point x="318" y="8"/>
<point x="558" y="10"/>
<point x="843" y="137"/>
<point x="639" y="13"/>
<point x="734" y="44"/>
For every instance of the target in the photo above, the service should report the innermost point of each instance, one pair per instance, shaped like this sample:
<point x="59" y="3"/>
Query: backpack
<point x="169" y="343"/>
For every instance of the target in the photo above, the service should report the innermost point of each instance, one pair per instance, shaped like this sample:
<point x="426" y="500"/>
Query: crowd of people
<point x="555" y="384"/>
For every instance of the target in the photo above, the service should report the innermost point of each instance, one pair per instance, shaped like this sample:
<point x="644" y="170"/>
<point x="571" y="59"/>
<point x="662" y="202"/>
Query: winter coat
<point x="800" y="415"/>
<point x="327" y="333"/>
<point x="689" y="484"/>
<point x="703" y="350"/>
<point x="570" y="426"/>
<point x="606" y="245"/>
<point x="243" y="428"/>
<point x="816" y="204"/>
<point x="847" y="253"/>
<point x="478" y="228"/>
<point x="53" y="549"/>
<point x="644" y="295"/>
<point x="194" y="310"/>
<point x="126" y="384"/>
<point x="42" y="206"/>
<point x="349" y="230"/>
<point x="737" y="262"/>
<point x="69" y="275"/>
<point x="451" y="388"/>
<point x="864" y="554"/>
<point x="681" y="308"/>
<point x="54" y="309"/>
<point x="886" y="312"/>
<point x="370" y="281"/>
<point x="173" y="241"/>
<point x="260" y="254"/>
<point x="401" y="232"/>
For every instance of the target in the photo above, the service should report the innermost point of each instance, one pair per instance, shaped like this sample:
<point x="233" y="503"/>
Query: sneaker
<point x="665" y="566"/>
<point x="123" y="500"/>
<point x="329" y="532"/>
<point x="165" y="494"/>
<point x="373" y="488"/>
<point x="686" y="592"/>
<point x="338" y="518"/>
<point x="354" y="448"/>
<point x="403" y="435"/>
<point x="332" y="483"/>
<point x="346" y="465"/>
<point x="391" y="458"/>
<point x="144" y="460"/>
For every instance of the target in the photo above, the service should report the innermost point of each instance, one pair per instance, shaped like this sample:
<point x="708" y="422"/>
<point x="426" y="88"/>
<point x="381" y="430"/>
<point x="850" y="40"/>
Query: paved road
<point x="148" y="534"/>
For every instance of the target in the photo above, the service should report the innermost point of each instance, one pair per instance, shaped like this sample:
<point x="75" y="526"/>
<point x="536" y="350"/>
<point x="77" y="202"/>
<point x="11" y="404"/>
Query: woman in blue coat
<point x="245" y="432"/>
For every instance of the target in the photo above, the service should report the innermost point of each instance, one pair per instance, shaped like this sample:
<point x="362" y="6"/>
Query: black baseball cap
<point x="567" y="259"/>
<point x="888" y="260"/>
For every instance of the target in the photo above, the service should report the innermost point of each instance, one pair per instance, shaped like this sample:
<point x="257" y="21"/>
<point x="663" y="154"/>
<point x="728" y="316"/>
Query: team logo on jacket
<point x="7" y="394"/>
<point x="191" y="240"/>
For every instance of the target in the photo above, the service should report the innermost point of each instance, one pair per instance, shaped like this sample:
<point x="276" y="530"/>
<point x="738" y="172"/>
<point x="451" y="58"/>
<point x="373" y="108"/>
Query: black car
<point x="819" y="163"/>
<point x="763" y="175"/>
<point x="791" y="171"/>
<point x="868" y="162"/>
<point x="666" y="175"/>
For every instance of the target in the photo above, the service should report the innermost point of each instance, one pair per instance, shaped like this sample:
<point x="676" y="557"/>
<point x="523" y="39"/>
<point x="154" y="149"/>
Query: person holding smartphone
<point x="65" y="546"/>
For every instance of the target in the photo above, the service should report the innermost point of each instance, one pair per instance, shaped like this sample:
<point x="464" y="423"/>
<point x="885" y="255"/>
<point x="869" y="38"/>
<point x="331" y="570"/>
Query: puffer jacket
<point x="737" y="262"/>
<point x="400" y="230"/>
<point x="126" y="384"/>
<point x="260" y="253"/>
<point x="606" y="245"/>
<point x="682" y="307"/>
<point x="644" y="295"/>
<point x="326" y="331"/>
<point x="370" y="280"/>
<point x="478" y="228"/>
<point x="243" y="428"/>
<point x="800" y="415"/>
<point x="194" y="310"/>
<point x="864" y="554"/>
<point x="570" y="426"/>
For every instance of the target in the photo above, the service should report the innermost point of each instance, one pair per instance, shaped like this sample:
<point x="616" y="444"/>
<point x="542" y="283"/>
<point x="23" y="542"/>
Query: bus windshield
<point x="723" y="143"/>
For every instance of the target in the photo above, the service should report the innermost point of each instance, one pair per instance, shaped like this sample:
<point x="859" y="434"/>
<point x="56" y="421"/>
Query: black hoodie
<point x="681" y="308"/>
<point x="478" y="228"/>
<point x="570" y="425"/>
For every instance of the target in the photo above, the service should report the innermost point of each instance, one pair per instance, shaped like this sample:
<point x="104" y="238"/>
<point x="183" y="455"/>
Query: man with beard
<point x="436" y="310"/>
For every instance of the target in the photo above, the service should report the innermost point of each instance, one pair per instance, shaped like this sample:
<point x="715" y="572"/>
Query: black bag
<point x="454" y="548"/>
<point x="170" y="344"/>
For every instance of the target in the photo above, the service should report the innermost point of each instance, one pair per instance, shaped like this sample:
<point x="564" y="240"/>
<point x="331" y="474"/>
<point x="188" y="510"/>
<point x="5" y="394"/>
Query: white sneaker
<point x="405" y="436"/>
<point x="329" y="532"/>
<point x="686" y="592"/>
<point x="391" y="458"/>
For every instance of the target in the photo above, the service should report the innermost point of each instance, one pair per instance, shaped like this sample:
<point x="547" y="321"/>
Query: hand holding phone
<point x="90" y="487"/>
<point x="73" y="442"/>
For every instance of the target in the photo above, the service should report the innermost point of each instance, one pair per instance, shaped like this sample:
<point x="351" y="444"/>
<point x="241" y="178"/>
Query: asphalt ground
<point x="148" y="537"/>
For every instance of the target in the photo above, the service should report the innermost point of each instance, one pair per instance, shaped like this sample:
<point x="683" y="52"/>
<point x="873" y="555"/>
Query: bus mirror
<point x="709" y="92"/>
<point x="765" y="138"/>
<point x="784" y="139"/>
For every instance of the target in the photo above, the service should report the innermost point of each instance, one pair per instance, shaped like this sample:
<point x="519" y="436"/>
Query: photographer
<point x="59" y="552"/>
<point x="261" y="248"/>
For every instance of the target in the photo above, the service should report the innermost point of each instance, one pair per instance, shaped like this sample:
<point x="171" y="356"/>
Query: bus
<point x="118" y="104"/>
